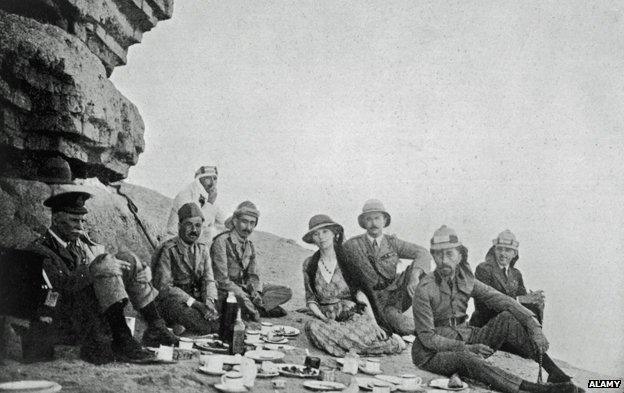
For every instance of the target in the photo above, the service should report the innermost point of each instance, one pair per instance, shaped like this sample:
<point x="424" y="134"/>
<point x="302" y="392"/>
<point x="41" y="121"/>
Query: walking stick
<point x="539" y="372"/>
<point x="134" y="210"/>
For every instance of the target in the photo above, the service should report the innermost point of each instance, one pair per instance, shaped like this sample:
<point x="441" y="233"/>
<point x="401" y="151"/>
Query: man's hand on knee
<point x="480" y="349"/>
<point x="144" y="275"/>
<point x="108" y="265"/>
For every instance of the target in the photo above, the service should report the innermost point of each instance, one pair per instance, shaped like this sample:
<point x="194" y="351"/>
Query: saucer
<point x="227" y="389"/>
<point x="369" y="372"/>
<point x="442" y="383"/>
<point x="207" y="371"/>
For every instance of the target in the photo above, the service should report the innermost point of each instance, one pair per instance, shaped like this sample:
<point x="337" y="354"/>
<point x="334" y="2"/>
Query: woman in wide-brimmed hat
<point x="343" y="322"/>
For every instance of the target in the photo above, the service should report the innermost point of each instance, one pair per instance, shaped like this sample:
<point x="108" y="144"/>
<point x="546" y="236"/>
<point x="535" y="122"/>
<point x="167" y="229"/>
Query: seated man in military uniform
<point x="445" y="344"/>
<point x="183" y="276"/>
<point x="93" y="287"/>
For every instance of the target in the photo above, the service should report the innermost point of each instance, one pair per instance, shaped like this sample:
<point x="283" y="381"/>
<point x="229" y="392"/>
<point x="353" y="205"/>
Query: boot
<point x="157" y="334"/>
<point x="125" y="347"/>
<point x="276" y="312"/>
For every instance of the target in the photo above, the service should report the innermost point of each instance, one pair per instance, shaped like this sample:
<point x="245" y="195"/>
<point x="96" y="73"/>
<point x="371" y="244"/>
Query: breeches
<point x="111" y="287"/>
<point x="504" y="329"/>
<point x="176" y="312"/>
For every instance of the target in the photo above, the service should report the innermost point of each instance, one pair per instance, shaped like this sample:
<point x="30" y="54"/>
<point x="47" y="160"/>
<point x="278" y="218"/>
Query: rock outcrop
<point x="55" y="96"/>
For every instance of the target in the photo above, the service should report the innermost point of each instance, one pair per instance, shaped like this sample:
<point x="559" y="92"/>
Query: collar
<point x="58" y="239"/>
<point x="183" y="247"/>
<point x="236" y="238"/>
<point x="502" y="267"/>
<point x="371" y="239"/>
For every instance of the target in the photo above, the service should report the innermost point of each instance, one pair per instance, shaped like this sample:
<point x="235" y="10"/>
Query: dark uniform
<point x="510" y="284"/>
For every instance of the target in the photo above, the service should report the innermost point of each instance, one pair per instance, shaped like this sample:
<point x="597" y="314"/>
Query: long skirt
<point x="357" y="333"/>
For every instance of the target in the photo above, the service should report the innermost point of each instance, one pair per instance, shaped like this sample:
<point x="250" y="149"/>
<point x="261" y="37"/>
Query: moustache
<point x="194" y="234"/>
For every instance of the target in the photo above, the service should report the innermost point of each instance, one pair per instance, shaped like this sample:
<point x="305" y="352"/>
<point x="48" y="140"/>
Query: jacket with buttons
<point x="182" y="271"/>
<point x="435" y="301"/>
<point x="490" y="273"/>
<point x="234" y="264"/>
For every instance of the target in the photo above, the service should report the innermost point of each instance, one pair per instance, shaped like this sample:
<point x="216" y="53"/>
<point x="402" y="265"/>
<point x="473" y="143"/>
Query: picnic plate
<point x="368" y="383"/>
<point x="38" y="386"/>
<point x="442" y="383"/>
<point x="390" y="378"/>
<point x="363" y="369"/>
<point x="297" y="371"/>
<point x="285" y="330"/>
<point x="207" y="371"/>
<point x="215" y="346"/>
<point x="262" y="374"/>
<point x="229" y="389"/>
<point x="282" y="340"/>
<point x="260" y="355"/>
<point x="323" y="386"/>
<point x="276" y="347"/>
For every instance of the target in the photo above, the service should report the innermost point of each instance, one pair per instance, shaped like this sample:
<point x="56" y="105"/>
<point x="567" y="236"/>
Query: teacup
<point x="372" y="365"/>
<point x="350" y="366"/>
<point x="233" y="380"/>
<point x="165" y="353"/>
<point x="268" y="367"/>
<point x="212" y="363"/>
<point x="265" y="328"/>
<point x="410" y="381"/>
<point x="185" y="344"/>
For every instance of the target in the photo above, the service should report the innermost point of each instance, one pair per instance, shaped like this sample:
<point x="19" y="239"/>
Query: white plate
<point x="323" y="386"/>
<point x="367" y="383"/>
<point x="363" y="369"/>
<point x="38" y="386"/>
<point x="223" y="388"/>
<point x="261" y="374"/>
<point x="276" y="347"/>
<point x="442" y="383"/>
<point x="283" y="369"/>
<point x="288" y="331"/>
<point x="283" y="340"/>
<point x="260" y="355"/>
<point x="206" y="371"/>
<point x="390" y="378"/>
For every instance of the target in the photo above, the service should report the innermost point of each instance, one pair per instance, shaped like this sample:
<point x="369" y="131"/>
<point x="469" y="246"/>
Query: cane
<point x="539" y="372"/>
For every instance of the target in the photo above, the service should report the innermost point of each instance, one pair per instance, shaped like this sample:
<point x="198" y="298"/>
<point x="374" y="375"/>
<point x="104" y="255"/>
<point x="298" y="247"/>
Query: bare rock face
<point x="106" y="27"/>
<point x="55" y="98"/>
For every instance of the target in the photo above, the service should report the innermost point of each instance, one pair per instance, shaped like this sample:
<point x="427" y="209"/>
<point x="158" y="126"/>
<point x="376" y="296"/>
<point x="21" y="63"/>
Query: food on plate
<point x="455" y="382"/>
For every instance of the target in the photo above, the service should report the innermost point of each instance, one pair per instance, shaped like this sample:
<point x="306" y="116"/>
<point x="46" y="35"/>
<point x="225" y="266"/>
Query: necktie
<point x="375" y="245"/>
<point x="505" y="272"/>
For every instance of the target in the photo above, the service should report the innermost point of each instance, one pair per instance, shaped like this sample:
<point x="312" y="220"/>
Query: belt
<point x="452" y="322"/>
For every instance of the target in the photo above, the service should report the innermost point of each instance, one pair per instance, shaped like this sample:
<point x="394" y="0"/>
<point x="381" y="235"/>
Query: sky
<point x="481" y="115"/>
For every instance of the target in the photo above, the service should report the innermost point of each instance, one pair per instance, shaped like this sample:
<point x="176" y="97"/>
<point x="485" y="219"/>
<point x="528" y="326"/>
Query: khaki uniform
<point x="235" y="269"/>
<point x="182" y="271"/>
<point x="442" y="334"/>
<point x="379" y="268"/>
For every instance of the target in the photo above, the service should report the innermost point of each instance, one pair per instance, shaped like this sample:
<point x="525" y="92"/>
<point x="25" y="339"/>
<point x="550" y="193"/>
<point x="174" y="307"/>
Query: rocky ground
<point x="281" y="261"/>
